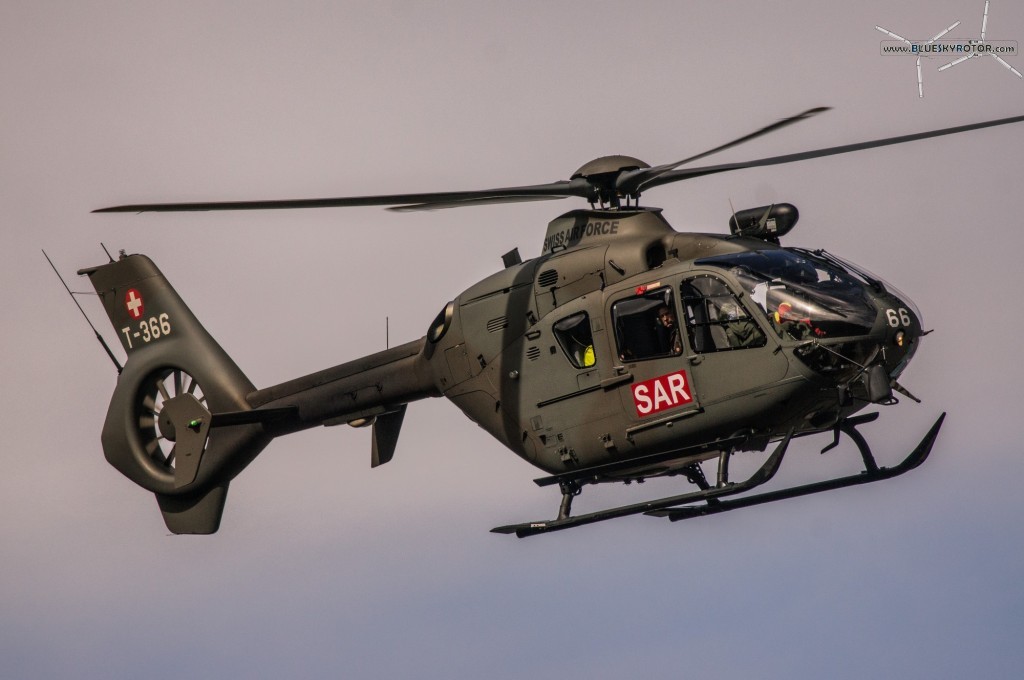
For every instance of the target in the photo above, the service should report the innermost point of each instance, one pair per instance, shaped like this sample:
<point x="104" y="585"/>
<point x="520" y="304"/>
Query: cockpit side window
<point x="576" y="339"/>
<point x="646" y="326"/>
<point x="801" y="293"/>
<point x="715" y="319"/>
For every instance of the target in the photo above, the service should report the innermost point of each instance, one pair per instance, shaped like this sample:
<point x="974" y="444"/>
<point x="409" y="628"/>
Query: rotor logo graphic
<point x="960" y="50"/>
<point x="133" y="303"/>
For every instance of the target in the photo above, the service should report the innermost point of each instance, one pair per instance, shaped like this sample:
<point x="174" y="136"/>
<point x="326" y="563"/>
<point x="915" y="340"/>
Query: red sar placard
<point x="662" y="393"/>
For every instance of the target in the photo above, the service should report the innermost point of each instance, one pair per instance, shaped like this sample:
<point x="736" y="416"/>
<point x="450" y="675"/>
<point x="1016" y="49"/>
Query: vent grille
<point x="533" y="353"/>
<point x="495" y="325"/>
<point x="547" y="278"/>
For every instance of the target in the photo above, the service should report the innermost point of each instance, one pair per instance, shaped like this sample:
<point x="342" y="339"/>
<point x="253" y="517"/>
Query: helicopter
<point x="625" y="351"/>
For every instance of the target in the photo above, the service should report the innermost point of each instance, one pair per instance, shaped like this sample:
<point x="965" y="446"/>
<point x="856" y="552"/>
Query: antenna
<point x="86" y="316"/>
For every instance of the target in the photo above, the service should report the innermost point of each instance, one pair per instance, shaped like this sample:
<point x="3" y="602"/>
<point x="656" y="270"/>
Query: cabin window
<point x="715" y="319"/>
<point x="577" y="340"/>
<point x="646" y="326"/>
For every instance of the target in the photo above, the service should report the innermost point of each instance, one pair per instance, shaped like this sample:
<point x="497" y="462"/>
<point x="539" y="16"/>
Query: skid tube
<point x="871" y="473"/>
<point x="712" y="500"/>
<point x="763" y="474"/>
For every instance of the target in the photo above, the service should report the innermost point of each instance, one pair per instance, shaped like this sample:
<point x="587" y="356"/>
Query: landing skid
<point x="713" y="500"/>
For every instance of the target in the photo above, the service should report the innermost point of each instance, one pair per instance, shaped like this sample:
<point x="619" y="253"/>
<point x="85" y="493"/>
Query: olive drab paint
<point x="625" y="350"/>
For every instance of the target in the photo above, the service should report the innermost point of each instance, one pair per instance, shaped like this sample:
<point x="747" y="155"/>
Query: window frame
<point x="709" y="341"/>
<point x="636" y="334"/>
<point x="564" y="336"/>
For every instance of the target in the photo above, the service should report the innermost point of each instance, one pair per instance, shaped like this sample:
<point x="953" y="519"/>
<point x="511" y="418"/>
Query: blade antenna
<point x="86" y="316"/>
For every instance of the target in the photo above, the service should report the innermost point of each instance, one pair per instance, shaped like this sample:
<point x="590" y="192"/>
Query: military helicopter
<point x="625" y="351"/>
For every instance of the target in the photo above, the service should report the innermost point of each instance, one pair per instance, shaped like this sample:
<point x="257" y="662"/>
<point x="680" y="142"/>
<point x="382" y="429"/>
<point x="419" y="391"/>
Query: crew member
<point x="739" y="329"/>
<point x="667" y="319"/>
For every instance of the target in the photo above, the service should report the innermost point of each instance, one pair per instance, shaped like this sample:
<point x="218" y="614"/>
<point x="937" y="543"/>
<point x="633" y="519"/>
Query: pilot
<point x="786" y="320"/>
<point x="739" y="329"/>
<point x="667" y="319"/>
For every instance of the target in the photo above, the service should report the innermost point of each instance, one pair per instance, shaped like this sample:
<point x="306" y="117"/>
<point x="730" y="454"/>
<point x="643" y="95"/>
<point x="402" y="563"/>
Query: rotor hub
<point x="606" y="165"/>
<point x="603" y="173"/>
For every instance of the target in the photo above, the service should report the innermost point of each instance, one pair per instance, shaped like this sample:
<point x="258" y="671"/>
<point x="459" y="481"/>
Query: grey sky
<point x="324" y="567"/>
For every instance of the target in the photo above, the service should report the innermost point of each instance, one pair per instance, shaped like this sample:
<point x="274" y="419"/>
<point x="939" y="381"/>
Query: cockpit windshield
<point x="864" y="275"/>
<point x="802" y="295"/>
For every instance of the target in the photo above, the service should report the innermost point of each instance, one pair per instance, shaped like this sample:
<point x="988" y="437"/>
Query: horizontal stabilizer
<point x="262" y="416"/>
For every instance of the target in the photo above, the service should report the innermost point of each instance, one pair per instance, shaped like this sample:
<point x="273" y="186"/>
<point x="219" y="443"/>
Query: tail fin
<point x="158" y="426"/>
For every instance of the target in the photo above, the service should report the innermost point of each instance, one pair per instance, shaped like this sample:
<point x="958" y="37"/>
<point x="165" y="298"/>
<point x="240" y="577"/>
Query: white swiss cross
<point x="133" y="301"/>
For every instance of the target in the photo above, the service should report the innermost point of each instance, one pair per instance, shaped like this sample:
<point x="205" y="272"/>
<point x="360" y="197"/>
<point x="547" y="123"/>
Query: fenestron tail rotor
<point x="157" y="430"/>
<point x="160" y="428"/>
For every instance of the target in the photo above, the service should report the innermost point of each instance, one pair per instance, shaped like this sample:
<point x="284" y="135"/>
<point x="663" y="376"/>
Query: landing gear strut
<point x="570" y="489"/>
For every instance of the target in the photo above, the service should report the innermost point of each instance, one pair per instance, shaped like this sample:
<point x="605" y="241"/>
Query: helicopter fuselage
<point x="570" y="360"/>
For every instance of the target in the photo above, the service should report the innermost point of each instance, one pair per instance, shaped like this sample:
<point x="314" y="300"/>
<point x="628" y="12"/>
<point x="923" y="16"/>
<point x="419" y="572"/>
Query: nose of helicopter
<point x="899" y="321"/>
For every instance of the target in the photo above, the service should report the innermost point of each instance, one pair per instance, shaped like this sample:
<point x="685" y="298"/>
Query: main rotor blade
<point x="489" y="200"/>
<point x="424" y="201"/>
<point x="630" y="183"/>
<point x="690" y="173"/>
